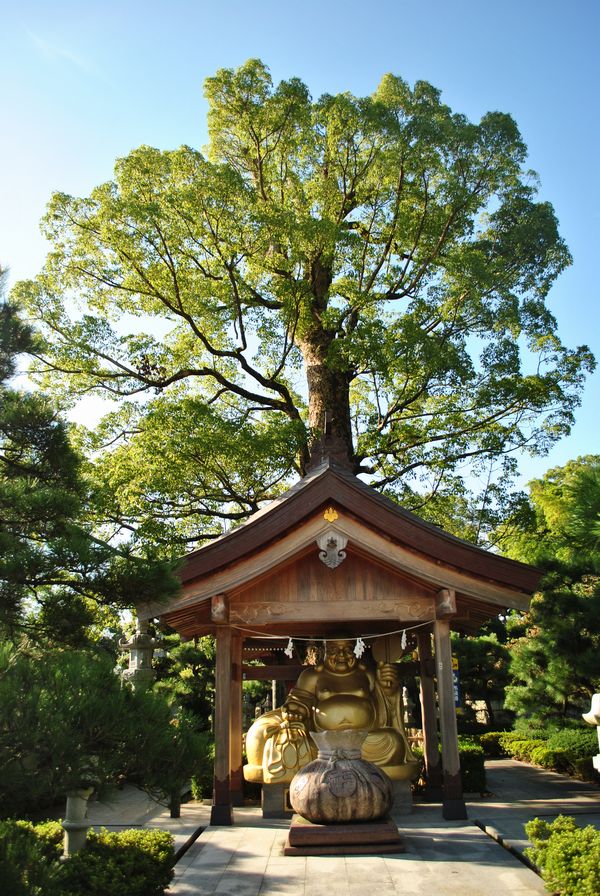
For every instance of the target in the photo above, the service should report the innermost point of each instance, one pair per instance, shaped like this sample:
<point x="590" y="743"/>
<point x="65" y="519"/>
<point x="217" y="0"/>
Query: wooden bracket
<point x="219" y="608"/>
<point x="445" y="603"/>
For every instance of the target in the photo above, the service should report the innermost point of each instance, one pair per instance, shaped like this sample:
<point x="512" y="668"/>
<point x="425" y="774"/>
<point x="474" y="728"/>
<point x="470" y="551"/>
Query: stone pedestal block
<point x="358" y="838"/>
<point x="402" y="803"/>
<point x="275" y="801"/>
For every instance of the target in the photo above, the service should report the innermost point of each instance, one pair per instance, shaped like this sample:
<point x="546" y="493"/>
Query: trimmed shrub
<point x="578" y="743"/>
<point x="557" y="760"/>
<point x="508" y="738"/>
<point x="568" y="751"/>
<point x="25" y="866"/>
<point x="522" y="749"/>
<point x="138" y="863"/>
<point x="491" y="744"/>
<point x="472" y="765"/>
<point x="567" y="856"/>
<point x="584" y="769"/>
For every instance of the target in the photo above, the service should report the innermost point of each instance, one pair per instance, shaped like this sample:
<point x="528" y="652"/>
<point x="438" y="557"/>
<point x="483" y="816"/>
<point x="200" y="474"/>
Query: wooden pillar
<point x="235" y="723"/>
<point x="453" y="806"/>
<point x="431" y="751"/>
<point x="222" y="813"/>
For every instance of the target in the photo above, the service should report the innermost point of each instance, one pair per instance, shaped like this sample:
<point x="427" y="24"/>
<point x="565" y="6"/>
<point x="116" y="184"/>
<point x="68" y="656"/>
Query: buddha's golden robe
<point x="332" y="697"/>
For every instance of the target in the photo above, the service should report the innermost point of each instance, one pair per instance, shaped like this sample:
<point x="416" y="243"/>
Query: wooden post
<point x="235" y="723"/>
<point x="453" y="806"/>
<point x="222" y="813"/>
<point x="431" y="751"/>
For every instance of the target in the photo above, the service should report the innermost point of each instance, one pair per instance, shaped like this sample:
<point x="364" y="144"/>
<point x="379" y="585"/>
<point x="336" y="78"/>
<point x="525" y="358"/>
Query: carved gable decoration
<point x="331" y="549"/>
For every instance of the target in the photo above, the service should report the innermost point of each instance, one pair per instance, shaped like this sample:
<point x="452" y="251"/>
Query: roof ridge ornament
<point x="332" y="543"/>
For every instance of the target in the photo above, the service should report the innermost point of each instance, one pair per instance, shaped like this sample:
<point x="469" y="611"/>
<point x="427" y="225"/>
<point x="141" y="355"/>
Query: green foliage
<point x="25" y="868"/>
<point x="54" y="572"/>
<point x="491" y="744"/>
<point x="558" y="760"/>
<point x="564" y="519"/>
<point x="68" y="721"/>
<point x="203" y="777"/>
<point x="555" y="648"/>
<point x="483" y="668"/>
<point x="568" y="751"/>
<point x="65" y="720"/>
<point x="584" y="769"/>
<point x="568" y="856"/>
<point x="555" y="665"/>
<point x="136" y="862"/>
<point x="578" y="742"/>
<point x="168" y="748"/>
<point x="522" y="748"/>
<point x="185" y="673"/>
<point x="139" y="863"/>
<point x="394" y="248"/>
<point x="472" y="765"/>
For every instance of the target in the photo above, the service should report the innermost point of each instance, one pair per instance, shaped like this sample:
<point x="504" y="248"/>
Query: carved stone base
<point x="360" y="838"/>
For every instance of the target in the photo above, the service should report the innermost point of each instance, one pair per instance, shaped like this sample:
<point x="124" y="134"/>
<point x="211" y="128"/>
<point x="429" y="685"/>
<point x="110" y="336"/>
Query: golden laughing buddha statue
<point x="341" y="693"/>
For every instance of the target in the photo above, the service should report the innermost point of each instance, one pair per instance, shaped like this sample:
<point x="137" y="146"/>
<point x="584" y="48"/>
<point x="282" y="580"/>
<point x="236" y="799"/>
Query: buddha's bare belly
<point x="344" y="711"/>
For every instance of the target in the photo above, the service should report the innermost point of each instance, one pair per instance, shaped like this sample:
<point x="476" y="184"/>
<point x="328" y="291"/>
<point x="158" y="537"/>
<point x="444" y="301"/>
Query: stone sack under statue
<point x="341" y="693"/>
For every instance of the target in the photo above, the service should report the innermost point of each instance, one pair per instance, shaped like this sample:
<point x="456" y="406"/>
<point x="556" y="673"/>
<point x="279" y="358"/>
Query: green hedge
<point x="568" y="751"/>
<point x="567" y="856"/>
<point x="524" y="749"/>
<point x="578" y="743"/>
<point x="491" y="744"/>
<point x="132" y="862"/>
<point x="472" y="765"/>
<point x="555" y="760"/>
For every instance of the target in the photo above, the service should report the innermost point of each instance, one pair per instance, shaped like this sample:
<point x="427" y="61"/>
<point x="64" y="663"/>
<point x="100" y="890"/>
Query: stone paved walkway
<point x="442" y="858"/>
<point x="447" y="858"/>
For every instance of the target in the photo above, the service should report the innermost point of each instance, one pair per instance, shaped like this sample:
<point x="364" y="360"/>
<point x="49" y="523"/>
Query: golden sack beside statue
<point x="340" y="693"/>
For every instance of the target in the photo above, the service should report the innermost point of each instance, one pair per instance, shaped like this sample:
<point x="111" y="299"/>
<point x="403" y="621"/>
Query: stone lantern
<point x="141" y="648"/>
<point x="593" y="718"/>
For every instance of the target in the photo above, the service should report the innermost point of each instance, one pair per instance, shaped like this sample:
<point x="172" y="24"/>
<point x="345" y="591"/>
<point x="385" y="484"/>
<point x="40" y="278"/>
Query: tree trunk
<point x="328" y="411"/>
<point x="490" y="712"/>
<point x="328" y="386"/>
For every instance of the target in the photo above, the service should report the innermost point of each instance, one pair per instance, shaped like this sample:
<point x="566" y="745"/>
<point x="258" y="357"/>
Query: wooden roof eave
<point x="331" y="484"/>
<point x="370" y="544"/>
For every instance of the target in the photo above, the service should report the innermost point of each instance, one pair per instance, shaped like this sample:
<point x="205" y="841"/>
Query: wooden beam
<point x="221" y="813"/>
<point x="268" y="673"/>
<point x="235" y="723"/>
<point x="262" y="612"/>
<point x="453" y="802"/>
<point x="431" y="750"/>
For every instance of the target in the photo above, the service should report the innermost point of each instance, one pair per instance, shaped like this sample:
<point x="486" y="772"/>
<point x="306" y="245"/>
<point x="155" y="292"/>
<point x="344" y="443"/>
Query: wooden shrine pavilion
<point x="332" y="558"/>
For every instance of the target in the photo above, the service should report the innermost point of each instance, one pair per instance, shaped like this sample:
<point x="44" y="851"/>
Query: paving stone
<point x="445" y="858"/>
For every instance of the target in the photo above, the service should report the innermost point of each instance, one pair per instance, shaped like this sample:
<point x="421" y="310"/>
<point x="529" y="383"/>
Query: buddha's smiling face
<point x="340" y="656"/>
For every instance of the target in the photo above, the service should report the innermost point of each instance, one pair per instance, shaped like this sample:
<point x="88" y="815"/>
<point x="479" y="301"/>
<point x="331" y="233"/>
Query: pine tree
<point x="54" y="573"/>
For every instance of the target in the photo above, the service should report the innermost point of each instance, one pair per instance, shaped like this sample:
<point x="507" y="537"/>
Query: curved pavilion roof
<point x="379" y="532"/>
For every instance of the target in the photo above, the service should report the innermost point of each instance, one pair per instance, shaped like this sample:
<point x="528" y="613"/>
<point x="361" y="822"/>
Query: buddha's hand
<point x="387" y="675"/>
<point x="293" y="718"/>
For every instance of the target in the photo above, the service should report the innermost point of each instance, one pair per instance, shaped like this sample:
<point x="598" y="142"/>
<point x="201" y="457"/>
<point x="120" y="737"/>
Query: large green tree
<point x="58" y="581"/>
<point x="555" y="648"/>
<point x="364" y="276"/>
<point x="560" y="524"/>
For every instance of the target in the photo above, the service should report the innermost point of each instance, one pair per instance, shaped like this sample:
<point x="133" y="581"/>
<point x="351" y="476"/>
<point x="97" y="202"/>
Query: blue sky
<point x="83" y="83"/>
